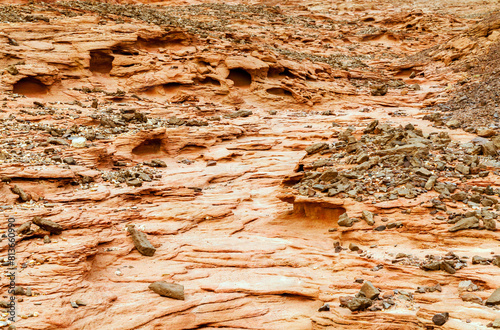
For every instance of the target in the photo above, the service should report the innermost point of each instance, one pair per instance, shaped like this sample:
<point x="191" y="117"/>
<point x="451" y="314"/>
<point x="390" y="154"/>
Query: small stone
<point x="465" y="170"/>
<point x="324" y="308"/>
<point x="423" y="172"/>
<point x="345" y="221"/>
<point x="369" y="291"/>
<point x="19" y="291"/>
<point x="20" y="192"/>
<point x="471" y="297"/>
<point x="211" y="163"/>
<point x="353" y="247"/>
<point x="368" y="217"/>
<point x="380" y="228"/>
<point x="317" y="147"/>
<point x="494" y="299"/>
<point x="359" y="303"/>
<point x="141" y="242"/>
<point x="50" y="226"/>
<point x="69" y="160"/>
<point x="74" y="304"/>
<point x="465" y="223"/>
<point x="480" y="260"/>
<point x="486" y="132"/>
<point x="24" y="228"/>
<point x="46" y="239"/>
<point x="273" y="112"/>
<point x="496" y="324"/>
<point x="454" y="123"/>
<point x="440" y="318"/>
<point x="134" y="182"/>
<point x="80" y="302"/>
<point x="170" y="290"/>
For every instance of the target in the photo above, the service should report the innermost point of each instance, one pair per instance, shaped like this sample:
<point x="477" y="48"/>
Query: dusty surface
<point x="196" y="120"/>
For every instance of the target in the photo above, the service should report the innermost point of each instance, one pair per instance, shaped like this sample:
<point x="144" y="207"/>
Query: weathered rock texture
<point x="236" y="136"/>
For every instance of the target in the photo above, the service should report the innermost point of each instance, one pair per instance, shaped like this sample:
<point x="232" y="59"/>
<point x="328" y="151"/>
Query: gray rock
<point x="324" y="308"/>
<point x="430" y="182"/>
<point x="345" y="221"/>
<point x="369" y="291"/>
<point x="423" y="172"/>
<point x="359" y="303"/>
<point x="239" y="113"/>
<point x="480" y="260"/>
<point x="471" y="297"/>
<point x="141" y="242"/>
<point x="170" y="290"/>
<point x="20" y="192"/>
<point x="494" y="299"/>
<point x="490" y="224"/>
<point x="465" y="223"/>
<point x="24" y="228"/>
<point x="454" y="123"/>
<point x="317" y="147"/>
<point x="440" y="318"/>
<point x="459" y="196"/>
<point x="447" y="267"/>
<point x="496" y="324"/>
<point x="368" y="217"/>
<point x="50" y="226"/>
<point x="328" y="175"/>
<point x="465" y="170"/>
<point x="134" y="182"/>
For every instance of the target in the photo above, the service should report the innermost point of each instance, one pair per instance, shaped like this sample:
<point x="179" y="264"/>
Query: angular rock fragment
<point x="317" y="147"/>
<point x="171" y="290"/>
<point x="359" y="303"/>
<point x="470" y="297"/>
<point x="494" y="299"/>
<point x="464" y="169"/>
<point x="328" y="175"/>
<point x="369" y="291"/>
<point x="368" y="217"/>
<point x="24" y="228"/>
<point x="141" y="242"/>
<point x="324" y="308"/>
<point x="50" y="226"/>
<point x="465" y="223"/>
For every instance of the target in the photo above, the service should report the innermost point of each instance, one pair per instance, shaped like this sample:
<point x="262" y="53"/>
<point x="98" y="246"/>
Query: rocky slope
<point x="292" y="167"/>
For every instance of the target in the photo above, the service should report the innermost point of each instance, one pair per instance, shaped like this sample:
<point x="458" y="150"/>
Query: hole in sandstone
<point x="30" y="87"/>
<point x="151" y="146"/>
<point x="240" y="77"/>
<point x="318" y="212"/>
<point x="174" y="42"/>
<point x="171" y="87"/>
<point x="300" y="168"/>
<point x="100" y="61"/>
<point x="406" y="73"/>
<point x="279" y="92"/>
<point x="210" y="81"/>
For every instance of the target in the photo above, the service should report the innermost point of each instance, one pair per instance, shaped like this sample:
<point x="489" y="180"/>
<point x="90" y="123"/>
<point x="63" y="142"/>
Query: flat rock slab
<point x="170" y="290"/>
<point x="267" y="285"/>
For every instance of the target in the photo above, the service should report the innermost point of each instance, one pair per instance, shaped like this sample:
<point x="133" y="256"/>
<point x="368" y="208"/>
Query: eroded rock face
<point x="271" y="158"/>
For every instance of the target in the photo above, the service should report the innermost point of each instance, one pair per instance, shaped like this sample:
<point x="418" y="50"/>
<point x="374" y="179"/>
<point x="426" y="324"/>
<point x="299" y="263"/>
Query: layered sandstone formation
<point x="288" y="165"/>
